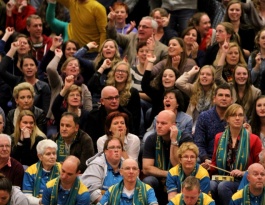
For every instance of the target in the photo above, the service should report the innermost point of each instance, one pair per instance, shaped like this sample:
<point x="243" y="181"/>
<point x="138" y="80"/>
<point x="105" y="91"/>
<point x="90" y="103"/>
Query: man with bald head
<point x="130" y="190"/>
<point x="110" y="102"/>
<point x="254" y="192"/>
<point x="160" y="148"/>
<point x="67" y="188"/>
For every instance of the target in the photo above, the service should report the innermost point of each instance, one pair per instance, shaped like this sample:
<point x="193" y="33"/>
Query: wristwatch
<point x="175" y="143"/>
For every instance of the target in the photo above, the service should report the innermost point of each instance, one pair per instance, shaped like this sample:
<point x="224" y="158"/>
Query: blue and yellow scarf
<point x="72" y="196"/>
<point x="246" y="194"/>
<point x="242" y="152"/>
<point x="55" y="172"/>
<point x="160" y="153"/>
<point x="139" y="196"/>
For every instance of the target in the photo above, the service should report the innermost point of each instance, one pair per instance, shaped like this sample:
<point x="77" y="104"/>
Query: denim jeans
<point x="222" y="191"/>
<point x="179" y="19"/>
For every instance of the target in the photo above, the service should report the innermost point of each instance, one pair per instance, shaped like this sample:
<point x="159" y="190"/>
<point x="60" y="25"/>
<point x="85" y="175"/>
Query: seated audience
<point x="254" y="192"/>
<point x="191" y="194"/>
<point x="130" y="190"/>
<point x="11" y="195"/>
<point x="10" y="167"/>
<point x="23" y="94"/>
<point x="66" y="188"/>
<point x="37" y="175"/>
<point x="71" y="140"/>
<point x="187" y="154"/>
<point x="25" y="138"/>
<point x="117" y="125"/>
<point x="103" y="169"/>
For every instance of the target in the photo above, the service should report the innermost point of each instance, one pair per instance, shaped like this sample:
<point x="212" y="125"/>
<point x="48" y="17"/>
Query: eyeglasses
<point x="188" y="157"/>
<point x="144" y="27"/>
<point x="240" y="115"/>
<point x="114" y="148"/>
<point x="7" y="146"/>
<point x="121" y="71"/>
<point x="112" y="98"/>
<point x="130" y="168"/>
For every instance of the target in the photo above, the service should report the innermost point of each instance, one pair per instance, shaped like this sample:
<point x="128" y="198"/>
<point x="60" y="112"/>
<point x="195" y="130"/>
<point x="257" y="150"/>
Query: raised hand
<point x="151" y="43"/>
<point x="173" y="133"/>
<point x="9" y="8"/>
<point x="258" y="60"/>
<point x="25" y="133"/>
<point x="225" y="47"/>
<point x="176" y="61"/>
<point x="92" y="44"/>
<point x="16" y="45"/>
<point x="57" y="41"/>
<point x="194" y="50"/>
<point x="23" y="4"/>
<point x="165" y="20"/>
<point x="9" y="31"/>
<point x="132" y="26"/>
<point x="106" y="64"/>
<point x="58" y="52"/>
<point x="69" y="80"/>
<point x="150" y="57"/>
<point x="111" y="15"/>
<point x="195" y="69"/>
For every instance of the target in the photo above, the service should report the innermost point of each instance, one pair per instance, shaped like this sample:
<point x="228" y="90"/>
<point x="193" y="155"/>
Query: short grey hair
<point x="153" y="22"/>
<point x="7" y="137"/>
<point x="44" y="144"/>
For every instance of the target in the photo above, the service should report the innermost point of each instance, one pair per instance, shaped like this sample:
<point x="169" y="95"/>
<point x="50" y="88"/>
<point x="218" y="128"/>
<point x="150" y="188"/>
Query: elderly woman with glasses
<point x="188" y="166"/>
<point x="117" y="125"/>
<point x="234" y="150"/>
<point x="38" y="174"/>
<point x="103" y="169"/>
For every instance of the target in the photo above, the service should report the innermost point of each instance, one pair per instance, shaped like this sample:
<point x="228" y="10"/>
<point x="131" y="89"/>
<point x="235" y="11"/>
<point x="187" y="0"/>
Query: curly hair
<point x="35" y="132"/>
<point x="116" y="58"/>
<point x="197" y="89"/>
<point x="187" y="146"/>
<point x="125" y="94"/>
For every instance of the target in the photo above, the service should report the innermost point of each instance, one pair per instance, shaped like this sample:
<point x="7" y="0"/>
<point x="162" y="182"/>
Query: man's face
<point x="223" y="98"/>
<point x="190" y="197"/>
<point x="163" y="124"/>
<point x="110" y="99"/>
<point x="68" y="128"/>
<point x="256" y="177"/>
<point x="129" y="171"/>
<point x="68" y="173"/>
<point x="114" y="151"/>
<point x="5" y="148"/>
<point x="145" y="29"/>
<point x="35" y="28"/>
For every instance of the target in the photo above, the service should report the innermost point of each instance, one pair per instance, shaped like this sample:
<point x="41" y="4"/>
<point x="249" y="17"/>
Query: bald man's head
<point x="110" y="98"/>
<point x="256" y="177"/>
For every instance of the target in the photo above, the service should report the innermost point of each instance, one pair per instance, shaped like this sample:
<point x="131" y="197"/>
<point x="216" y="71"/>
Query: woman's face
<point x="48" y="158"/>
<point x="158" y="18"/>
<point x="236" y="120"/>
<point x="2" y="123"/>
<point x="206" y="77"/>
<point x="190" y="37"/>
<point x="232" y="56"/>
<point x="260" y="107"/>
<point x="174" y="48"/>
<point x="74" y="98"/>
<point x="27" y="122"/>
<point x="204" y="25"/>
<point x="70" y="50"/>
<point x="118" y="126"/>
<point x="234" y="12"/>
<point x="168" y="78"/>
<point x="4" y="197"/>
<point x="25" y="47"/>
<point x="109" y="50"/>
<point x="142" y="54"/>
<point x="72" y="68"/>
<point x="29" y="68"/>
<point x="24" y="100"/>
<point x="241" y="75"/>
<point x="121" y="74"/>
<point x="188" y="160"/>
<point x="261" y="40"/>
<point x="170" y="102"/>
<point x="221" y="34"/>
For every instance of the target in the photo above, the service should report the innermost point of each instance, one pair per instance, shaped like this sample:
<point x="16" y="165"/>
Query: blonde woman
<point x="25" y="138"/>
<point x="201" y="92"/>
<point x="120" y="77"/>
